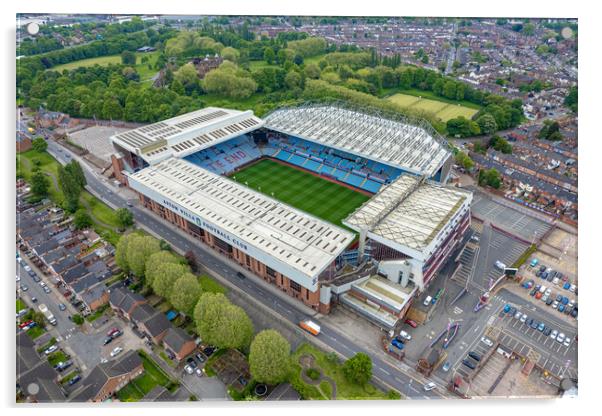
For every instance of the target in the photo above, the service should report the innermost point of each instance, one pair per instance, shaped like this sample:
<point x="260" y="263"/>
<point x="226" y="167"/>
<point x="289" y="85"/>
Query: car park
<point x="430" y="386"/>
<point x="469" y="364"/>
<point x="474" y="356"/>
<point x="487" y="341"/>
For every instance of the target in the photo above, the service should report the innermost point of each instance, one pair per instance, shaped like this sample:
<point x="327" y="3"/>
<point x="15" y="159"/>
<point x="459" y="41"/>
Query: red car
<point x="538" y="295"/>
<point x="24" y="324"/>
<point x="411" y="323"/>
<point x="112" y="331"/>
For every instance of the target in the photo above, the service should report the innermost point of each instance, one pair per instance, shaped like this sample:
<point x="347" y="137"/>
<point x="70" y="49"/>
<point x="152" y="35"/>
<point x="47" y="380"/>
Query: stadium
<point x="329" y="203"/>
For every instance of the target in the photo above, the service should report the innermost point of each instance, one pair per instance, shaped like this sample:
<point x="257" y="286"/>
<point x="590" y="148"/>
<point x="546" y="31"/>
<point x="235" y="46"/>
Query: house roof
<point x="176" y="338"/>
<point x="122" y="298"/>
<point x="157" y="324"/>
<point x="143" y="312"/>
<point x="158" y="394"/>
<point x="74" y="273"/>
<point x="94" y="293"/>
<point x="100" y="374"/>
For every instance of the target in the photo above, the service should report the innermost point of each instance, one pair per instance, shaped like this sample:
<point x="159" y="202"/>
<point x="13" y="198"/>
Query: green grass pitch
<point x="302" y="190"/>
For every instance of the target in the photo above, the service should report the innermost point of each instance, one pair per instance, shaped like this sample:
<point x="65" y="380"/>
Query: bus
<point x="310" y="326"/>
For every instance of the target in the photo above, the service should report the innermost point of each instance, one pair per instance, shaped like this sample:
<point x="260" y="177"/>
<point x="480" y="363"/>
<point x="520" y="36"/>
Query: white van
<point x="427" y="301"/>
<point x="542" y="289"/>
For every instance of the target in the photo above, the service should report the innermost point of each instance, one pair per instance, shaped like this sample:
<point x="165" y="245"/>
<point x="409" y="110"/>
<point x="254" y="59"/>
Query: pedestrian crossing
<point x="467" y="260"/>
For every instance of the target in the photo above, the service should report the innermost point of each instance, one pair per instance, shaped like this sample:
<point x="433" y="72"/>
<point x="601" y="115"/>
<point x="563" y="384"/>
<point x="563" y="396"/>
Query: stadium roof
<point x="410" y="212"/>
<point x="414" y="148"/>
<point x="303" y="244"/>
<point x="187" y="134"/>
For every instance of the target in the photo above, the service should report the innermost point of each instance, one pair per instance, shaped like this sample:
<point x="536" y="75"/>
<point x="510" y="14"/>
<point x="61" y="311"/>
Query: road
<point x="382" y="370"/>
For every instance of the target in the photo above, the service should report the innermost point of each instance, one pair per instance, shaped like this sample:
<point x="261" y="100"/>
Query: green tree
<point x="167" y="274"/>
<point x="39" y="144"/>
<point x="75" y="170"/>
<point x="572" y="99"/>
<point x="186" y="75"/>
<point x="230" y="54"/>
<point x="229" y="81"/>
<point x="82" y="219"/>
<point x="77" y="319"/>
<point x="139" y="249"/>
<point x="185" y="293"/>
<point x="490" y="177"/>
<point x="222" y="324"/>
<point x="154" y="261"/>
<point x="70" y="188"/>
<point x="39" y="184"/>
<point x="125" y="218"/>
<point x="269" y="55"/>
<point x="293" y="80"/>
<point x="128" y="58"/>
<point x="487" y="124"/>
<point x="463" y="160"/>
<point x="177" y="87"/>
<point x="358" y="369"/>
<point x="269" y="357"/>
<point x="121" y="252"/>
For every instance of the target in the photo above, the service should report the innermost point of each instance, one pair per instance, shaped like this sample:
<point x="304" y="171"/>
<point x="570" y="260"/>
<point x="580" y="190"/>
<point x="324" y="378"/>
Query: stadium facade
<point x="406" y="230"/>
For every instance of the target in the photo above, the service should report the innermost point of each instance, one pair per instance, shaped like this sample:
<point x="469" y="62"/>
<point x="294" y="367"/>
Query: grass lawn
<point x="309" y="193"/>
<point x="69" y="376"/>
<point x="345" y="389"/>
<point x="444" y="110"/>
<point x="35" y="332"/>
<point x="48" y="165"/>
<point x="47" y="345"/>
<point x="142" y="69"/>
<point x="20" y="305"/>
<point x="97" y="314"/>
<point x="209" y="284"/>
<point x="57" y="357"/>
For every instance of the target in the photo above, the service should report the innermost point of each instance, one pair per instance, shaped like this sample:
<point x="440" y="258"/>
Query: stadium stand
<point x="226" y="157"/>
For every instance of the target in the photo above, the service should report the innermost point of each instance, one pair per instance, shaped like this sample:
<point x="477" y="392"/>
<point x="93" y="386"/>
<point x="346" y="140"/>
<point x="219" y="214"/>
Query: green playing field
<point x="302" y="190"/>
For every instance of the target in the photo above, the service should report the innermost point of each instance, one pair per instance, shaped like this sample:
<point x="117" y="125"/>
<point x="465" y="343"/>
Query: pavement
<point x="386" y="372"/>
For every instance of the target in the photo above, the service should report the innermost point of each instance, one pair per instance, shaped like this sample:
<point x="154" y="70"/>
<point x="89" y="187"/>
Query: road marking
<point x="385" y="371"/>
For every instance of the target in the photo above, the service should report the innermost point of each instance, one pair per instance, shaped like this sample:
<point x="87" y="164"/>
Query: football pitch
<point x="302" y="190"/>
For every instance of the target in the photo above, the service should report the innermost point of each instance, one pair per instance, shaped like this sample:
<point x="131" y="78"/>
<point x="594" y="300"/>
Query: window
<point x="295" y="286"/>
<point x="270" y="272"/>
<point x="248" y="260"/>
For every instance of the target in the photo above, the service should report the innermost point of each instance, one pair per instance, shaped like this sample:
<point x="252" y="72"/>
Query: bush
<point x="77" y="319"/>
<point x="312" y="373"/>
<point x="393" y="395"/>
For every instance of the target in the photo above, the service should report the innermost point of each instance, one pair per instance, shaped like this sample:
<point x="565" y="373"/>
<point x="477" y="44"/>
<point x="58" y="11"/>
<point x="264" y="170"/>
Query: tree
<point x="177" y="87"/>
<point x="572" y="99"/>
<point x="39" y="184"/>
<point x="293" y="80"/>
<point x="463" y="160"/>
<point x="39" y="144"/>
<point x="191" y="260"/>
<point x="82" y="219"/>
<point x="487" y="124"/>
<point x="125" y="218"/>
<point x="222" y="324"/>
<point x="154" y="261"/>
<point x="187" y="75"/>
<point x="185" y="293"/>
<point x="462" y="127"/>
<point x="490" y="177"/>
<point x="230" y="54"/>
<point x="550" y="129"/>
<point x="139" y="249"/>
<point x="269" y="357"/>
<point x="70" y="188"/>
<point x="75" y="170"/>
<point x="269" y="55"/>
<point x="358" y="369"/>
<point x="229" y="81"/>
<point x="500" y="144"/>
<point x="77" y="319"/>
<point x="166" y="276"/>
<point x="128" y="58"/>
<point x="121" y="252"/>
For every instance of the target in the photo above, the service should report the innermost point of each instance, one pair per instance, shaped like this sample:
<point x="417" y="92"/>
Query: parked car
<point x="506" y="308"/>
<point x="565" y="300"/>
<point x="487" y="341"/>
<point x="572" y="288"/>
<point x="208" y="351"/>
<point x="62" y="306"/>
<point x="116" y="351"/>
<point x="529" y="322"/>
<point x="411" y="323"/>
<point x="541" y="327"/>
<point x="545" y="298"/>
<point x="534" y="324"/>
<point x="405" y="335"/>
<point x="555" y="304"/>
<point x="554" y="334"/>
<point x="556" y="281"/>
<point x="544" y="275"/>
<point x="529" y="284"/>
<point x="74" y="380"/>
<point x="117" y="334"/>
<point x="51" y="349"/>
<point x="549" y="301"/>
<point x="558" y="298"/>
<point x="534" y="262"/>
<point x="112" y="331"/>
<point x="567" y="342"/>
<point x="542" y="268"/>
<point x="512" y="311"/>
<point x="574" y="312"/>
<point x="474" y="356"/>
<point x="561" y="308"/>
<point x="34" y="299"/>
<point x="566" y="286"/>
<point x="533" y="292"/>
<point x="430" y="386"/>
<point x="560" y="337"/>
<point x="518" y="315"/>
<point x="107" y="340"/>
<point x="548" y="291"/>
<point x="240" y="275"/>
<point x="188" y="369"/>
<point x="547" y="331"/>
<point x="446" y="366"/>
<point x="469" y="364"/>
<point x="198" y="372"/>
<point x="200" y="357"/>
<point x="499" y="265"/>
<point x="427" y="301"/>
<point x="46" y="289"/>
<point x="397" y="343"/>
<point x="523" y="318"/>
<point x="23" y="287"/>
<point x="538" y="295"/>
<point x="538" y="273"/>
